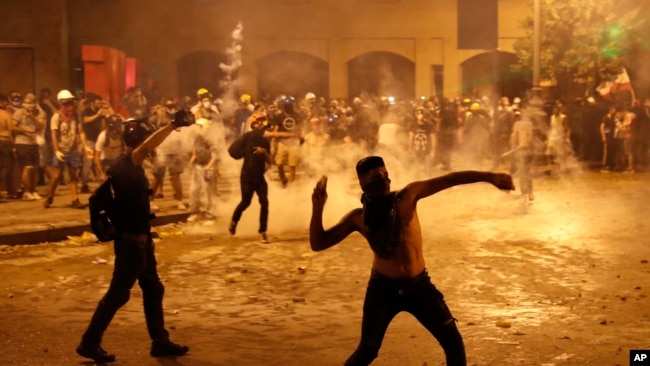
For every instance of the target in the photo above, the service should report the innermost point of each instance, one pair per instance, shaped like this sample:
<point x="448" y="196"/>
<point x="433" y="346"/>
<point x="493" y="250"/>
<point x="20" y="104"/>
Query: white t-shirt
<point x="66" y="136"/>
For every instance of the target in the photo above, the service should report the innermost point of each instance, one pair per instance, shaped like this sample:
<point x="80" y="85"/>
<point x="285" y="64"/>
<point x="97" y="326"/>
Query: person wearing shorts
<point x="29" y="120"/>
<point x="67" y="137"/>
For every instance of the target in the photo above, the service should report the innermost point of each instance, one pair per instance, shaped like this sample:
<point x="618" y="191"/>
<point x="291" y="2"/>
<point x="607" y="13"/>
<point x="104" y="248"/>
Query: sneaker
<point x="85" y="189"/>
<point x="28" y="197"/>
<point x="263" y="238"/>
<point x="37" y="196"/>
<point x="180" y="205"/>
<point x="77" y="204"/>
<point x="48" y="202"/>
<point x="96" y="353"/>
<point x="154" y="208"/>
<point x="167" y="348"/>
<point x="232" y="227"/>
<point x="193" y="217"/>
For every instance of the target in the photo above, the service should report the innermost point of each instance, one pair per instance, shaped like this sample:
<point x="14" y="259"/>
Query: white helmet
<point x="64" y="95"/>
<point x="310" y="96"/>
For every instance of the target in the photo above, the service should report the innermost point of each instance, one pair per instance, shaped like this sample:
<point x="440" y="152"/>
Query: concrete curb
<point x="62" y="233"/>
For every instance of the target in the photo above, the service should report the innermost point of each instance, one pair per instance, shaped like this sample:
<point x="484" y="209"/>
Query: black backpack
<point x="100" y="206"/>
<point x="237" y="149"/>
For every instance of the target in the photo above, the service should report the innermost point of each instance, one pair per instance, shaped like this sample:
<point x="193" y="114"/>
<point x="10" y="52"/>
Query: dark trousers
<point x="609" y="153"/>
<point x="249" y="186"/>
<point x="386" y="297"/>
<point x="134" y="260"/>
<point x="6" y="166"/>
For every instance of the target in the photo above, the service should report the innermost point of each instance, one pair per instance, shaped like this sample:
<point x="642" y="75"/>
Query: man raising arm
<point x="399" y="280"/>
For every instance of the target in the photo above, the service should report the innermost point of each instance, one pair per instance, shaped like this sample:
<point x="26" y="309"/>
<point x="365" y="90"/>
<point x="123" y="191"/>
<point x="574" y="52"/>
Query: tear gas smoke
<point x="230" y="83"/>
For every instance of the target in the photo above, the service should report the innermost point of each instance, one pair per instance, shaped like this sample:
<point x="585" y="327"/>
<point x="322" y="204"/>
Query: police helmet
<point x="288" y="104"/>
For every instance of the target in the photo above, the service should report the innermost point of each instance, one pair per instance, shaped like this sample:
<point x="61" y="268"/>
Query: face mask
<point x="16" y="104"/>
<point x="377" y="186"/>
<point x="67" y="110"/>
<point x="206" y="105"/>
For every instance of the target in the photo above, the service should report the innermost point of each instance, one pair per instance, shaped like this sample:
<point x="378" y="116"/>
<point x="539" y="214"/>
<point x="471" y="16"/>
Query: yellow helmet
<point x="202" y="91"/>
<point x="246" y="98"/>
<point x="258" y="120"/>
<point x="475" y="107"/>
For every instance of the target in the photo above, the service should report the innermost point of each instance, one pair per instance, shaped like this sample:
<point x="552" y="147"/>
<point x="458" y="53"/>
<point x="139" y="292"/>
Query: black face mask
<point x="379" y="185"/>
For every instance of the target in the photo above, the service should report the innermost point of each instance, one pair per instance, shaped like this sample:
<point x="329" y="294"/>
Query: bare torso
<point x="407" y="260"/>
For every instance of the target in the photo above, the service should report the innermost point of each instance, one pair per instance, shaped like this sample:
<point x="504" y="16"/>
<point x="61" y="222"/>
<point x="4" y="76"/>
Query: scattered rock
<point x="637" y="287"/>
<point x="173" y="327"/>
<point x="603" y="322"/>
<point x="508" y="343"/>
<point x="175" y="312"/>
<point x="471" y="323"/>
<point x="644" y="261"/>
<point x="244" y="270"/>
<point x="232" y="277"/>
<point x="302" y="269"/>
<point x="563" y="357"/>
<point x="623" y="298"/>
<point x="11" y="296"/>
<point x="298" y="299"/>
<point x="99" y="260"/>
<point x="518" y="333"/>
<point x="503" y="324"/>
<point x="565" y="337"/>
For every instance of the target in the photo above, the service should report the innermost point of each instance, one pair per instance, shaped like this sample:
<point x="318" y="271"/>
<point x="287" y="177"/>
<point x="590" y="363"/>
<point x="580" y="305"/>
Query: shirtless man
<point x="399" y="280"/>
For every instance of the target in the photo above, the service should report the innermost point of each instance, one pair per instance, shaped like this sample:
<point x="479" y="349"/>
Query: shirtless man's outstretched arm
<point x="399" y="280"/>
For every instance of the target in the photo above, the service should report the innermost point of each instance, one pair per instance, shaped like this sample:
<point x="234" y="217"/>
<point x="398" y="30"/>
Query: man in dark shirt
<point x="94" y="121"/>
<point x="134" y="250"/>
<point x="254" y="147"/>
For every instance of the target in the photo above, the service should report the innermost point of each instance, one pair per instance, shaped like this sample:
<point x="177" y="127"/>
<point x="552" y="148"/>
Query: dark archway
<point x="478" y="75"/>
<point x="292" y="73"/>
<point x="381" y="74"/>
<point x="200" y="70"/>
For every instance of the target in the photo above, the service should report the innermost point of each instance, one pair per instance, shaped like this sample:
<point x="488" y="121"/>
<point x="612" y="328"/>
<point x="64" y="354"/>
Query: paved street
<point x="564" y="281"/>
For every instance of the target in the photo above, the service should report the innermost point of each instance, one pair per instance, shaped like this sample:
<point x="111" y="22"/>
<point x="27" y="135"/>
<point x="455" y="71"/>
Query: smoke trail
<point x="229" y="82"/>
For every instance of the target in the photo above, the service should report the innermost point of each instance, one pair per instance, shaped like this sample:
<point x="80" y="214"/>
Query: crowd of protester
<point x="43" y="136"/>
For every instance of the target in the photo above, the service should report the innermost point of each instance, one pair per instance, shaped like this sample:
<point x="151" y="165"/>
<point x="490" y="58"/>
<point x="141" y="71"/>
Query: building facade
<point x="335" y="48"/>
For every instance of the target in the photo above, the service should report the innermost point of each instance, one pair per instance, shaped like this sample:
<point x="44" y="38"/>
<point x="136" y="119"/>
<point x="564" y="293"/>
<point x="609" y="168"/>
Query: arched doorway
<point x="292" y="73"/>
<point x="381" y="74"/>
<point x="200" y="70"/>
<point x="479" y="75"/>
